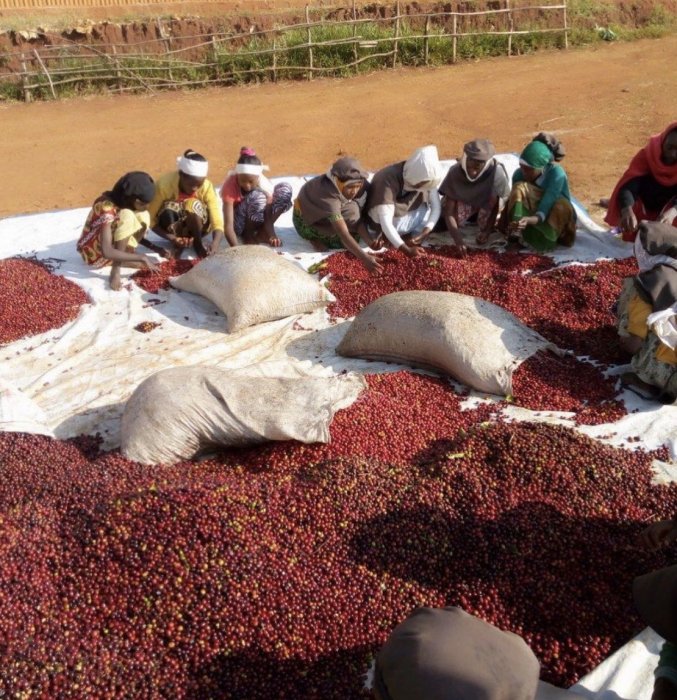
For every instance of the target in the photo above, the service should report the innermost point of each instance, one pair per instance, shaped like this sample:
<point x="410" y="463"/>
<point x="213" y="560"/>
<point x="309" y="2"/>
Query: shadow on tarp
<point x="531" y="560"/>
<point x="255" y="673"/>
<point x="104" y="420"/>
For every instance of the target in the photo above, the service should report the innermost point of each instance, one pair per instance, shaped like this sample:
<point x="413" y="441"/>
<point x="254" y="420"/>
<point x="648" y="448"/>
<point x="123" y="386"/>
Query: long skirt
<point x="323" y="231"/>
<point x="654" y="363"/>
<point x="558" y="228"/>
<point x="251" y="210"/>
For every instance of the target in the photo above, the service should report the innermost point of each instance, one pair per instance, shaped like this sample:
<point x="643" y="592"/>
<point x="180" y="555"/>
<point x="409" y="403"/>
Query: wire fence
<point x="291" y="51"/>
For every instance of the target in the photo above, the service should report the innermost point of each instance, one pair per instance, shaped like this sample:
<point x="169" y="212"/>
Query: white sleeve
<point x="434" y="210"/>
<point x="384" y="214"/>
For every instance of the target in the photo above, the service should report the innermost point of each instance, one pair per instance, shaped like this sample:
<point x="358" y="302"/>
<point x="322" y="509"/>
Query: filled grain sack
<point x="182" y="412"/>
<point x="252" y="284"/>
<point x="474" y="341"/>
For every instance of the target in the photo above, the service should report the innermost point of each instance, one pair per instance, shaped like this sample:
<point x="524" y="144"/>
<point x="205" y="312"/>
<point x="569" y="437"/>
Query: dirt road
<point x="603" y="103"/>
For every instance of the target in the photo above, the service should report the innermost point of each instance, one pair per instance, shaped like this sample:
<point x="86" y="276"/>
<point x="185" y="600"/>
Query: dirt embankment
<point x="155" y="32"/>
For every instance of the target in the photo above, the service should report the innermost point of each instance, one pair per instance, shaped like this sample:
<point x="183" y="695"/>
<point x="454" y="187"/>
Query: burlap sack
<point x="183" y="412"/>
<point x="252" y="284"/>
<point x="474" y="341"/>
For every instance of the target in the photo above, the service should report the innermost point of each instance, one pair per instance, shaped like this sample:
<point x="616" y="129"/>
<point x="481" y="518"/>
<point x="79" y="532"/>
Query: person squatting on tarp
<point x="251" y="205"/>
<point x="539" y="212"/>
<point x="655" y="597"/>
<point x="403" y="201"/>
<point x="646" y="314"/>
<point x="476" y="186"/>
<point x="447" y="654"/>
<point x="647" y="190"/>
<point x="186" y="207"/>
<point x="117" y="224"/>
<point x="329" y="208"/>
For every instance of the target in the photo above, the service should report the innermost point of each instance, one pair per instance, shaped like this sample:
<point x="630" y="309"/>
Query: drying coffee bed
<point x="572" y="306"/>
<point x="34" y="300"/>
<point x="278" y="571"/>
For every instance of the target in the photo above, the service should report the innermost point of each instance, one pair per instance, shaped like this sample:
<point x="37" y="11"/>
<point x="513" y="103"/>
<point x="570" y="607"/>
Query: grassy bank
<point x="335" y="49"/>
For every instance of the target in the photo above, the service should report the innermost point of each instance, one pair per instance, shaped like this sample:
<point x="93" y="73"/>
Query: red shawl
<point x="646" y="162"/>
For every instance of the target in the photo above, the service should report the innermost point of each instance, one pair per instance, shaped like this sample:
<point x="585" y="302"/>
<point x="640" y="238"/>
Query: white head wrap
<point x="196" y="168"/>
<point x="423" y="166"/>
<point x="250" y="169"/>
<point x="464" y="163"/>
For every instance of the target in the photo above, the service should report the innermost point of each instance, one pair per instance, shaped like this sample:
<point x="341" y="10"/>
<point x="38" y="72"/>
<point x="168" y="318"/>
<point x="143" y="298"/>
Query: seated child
<point x="191" y="196"/>
<point x="251" y="205"/>
<point x="116" y="225"/>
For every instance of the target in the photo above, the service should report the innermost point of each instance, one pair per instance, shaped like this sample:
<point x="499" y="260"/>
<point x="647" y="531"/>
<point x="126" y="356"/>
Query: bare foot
<point x="268" y="237"/>
<point x="482" y="237"/>
<point x="115" y="282"/>
<point x="631" y="381"/>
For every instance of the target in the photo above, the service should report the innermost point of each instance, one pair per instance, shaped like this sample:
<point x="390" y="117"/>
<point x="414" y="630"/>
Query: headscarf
<point x="553" y="143"/>
<point x="446" y="654"/>
<point x="423" y="166"/>
<point x="481" y="150"/>
<point x="188" y="166"/>
<point x="137" y="184"/>
<point x="347" y="171"/>
<point x="536" y="155"/>
<point x="257" y="168"/>
<point x="646" y="162"/>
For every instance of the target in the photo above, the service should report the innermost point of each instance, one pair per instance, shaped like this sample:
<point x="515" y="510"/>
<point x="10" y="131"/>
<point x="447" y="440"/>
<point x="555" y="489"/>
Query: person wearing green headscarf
<point x="539" y="210"/>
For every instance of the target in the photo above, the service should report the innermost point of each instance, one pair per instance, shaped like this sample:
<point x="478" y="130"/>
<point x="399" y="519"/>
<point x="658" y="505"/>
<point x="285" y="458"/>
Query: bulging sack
<point x="476" y="342"/>
<point x="251" y="284"/>
<point x="182" y="412"/>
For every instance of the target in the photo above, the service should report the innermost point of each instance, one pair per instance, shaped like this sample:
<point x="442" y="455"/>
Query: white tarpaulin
<point x="80" y="376"/>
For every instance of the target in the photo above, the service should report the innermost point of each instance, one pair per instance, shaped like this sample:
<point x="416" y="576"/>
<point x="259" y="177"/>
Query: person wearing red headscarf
<point x="648" y="188"/>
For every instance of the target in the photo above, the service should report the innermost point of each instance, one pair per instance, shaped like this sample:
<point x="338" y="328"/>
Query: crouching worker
<point x="647" y="190"/>
<point x="539" y="212"/>
<point x="328" y="211"/>
<point x="475" y="186"/>
<point x="448" y="654"/>
<point x="186" y="207"/>
<point x="646" y="320"/>
<point x="251" y="204"/>
<point x="655" y="597"/>
<point x="403" y="202"/>
<point x="117" y="224"/>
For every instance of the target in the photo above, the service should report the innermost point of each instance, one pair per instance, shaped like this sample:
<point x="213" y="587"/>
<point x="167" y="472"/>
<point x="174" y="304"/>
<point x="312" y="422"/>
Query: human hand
<point x="628" y="220"/>
<point x="420" y="237"/>
<point x="522" y="223"/>
<point x="377" y="242"/>
<point x="669" y="215"/>
<point x="149" y="263"/>
<point x="412" y="251"/>
<point x="658" y="534"/>
<point x="462" y="250"/>
<point x="372" y="264"/>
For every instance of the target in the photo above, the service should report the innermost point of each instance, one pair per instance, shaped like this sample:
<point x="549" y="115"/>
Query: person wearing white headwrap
<point x="476" y="185"/>
<point x="251" y="203"/>
<point x="186" y="206"/>
<point x="403" y="200"/>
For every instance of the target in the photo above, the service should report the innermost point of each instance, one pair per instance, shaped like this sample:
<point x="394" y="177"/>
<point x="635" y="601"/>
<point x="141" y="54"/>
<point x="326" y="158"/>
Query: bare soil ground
<point x="602" y="102"/>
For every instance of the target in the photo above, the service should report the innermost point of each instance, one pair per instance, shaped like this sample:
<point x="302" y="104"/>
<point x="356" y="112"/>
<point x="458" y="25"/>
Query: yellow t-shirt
<point x="167" y="190"/>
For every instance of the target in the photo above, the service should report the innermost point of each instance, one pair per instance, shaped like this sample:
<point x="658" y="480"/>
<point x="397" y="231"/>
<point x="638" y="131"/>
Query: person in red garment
<point x="648" y="188"/>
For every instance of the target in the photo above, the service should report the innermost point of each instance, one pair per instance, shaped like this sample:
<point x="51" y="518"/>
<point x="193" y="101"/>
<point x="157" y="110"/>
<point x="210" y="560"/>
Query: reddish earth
<point x="603" y="102"/>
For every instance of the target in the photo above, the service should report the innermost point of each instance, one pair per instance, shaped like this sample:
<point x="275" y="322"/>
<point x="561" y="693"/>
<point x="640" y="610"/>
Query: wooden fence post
<point x="118" y="75"/>
<point x="397" y="34"/>
<point x="566" y="26"/>
<point x="24" y="80"/>
<point x="310" y="44"/>
<point x="425" y="40"/>
<point x="355" y="52"/>
<point x="46" y="72"/>
<point x="511" y="27"/>
<point x="274" y="59"/>
<point x="454" y="40"/>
